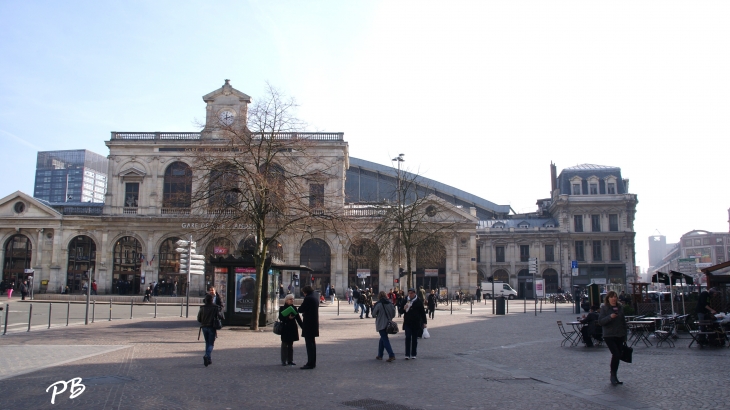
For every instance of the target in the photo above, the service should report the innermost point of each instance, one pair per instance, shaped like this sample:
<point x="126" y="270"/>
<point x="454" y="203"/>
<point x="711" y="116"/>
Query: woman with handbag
<point x="289" y="331"/>
<point x="209" y="318"/>
<point x="613" y="323"/>
<point x="383" y="312"/>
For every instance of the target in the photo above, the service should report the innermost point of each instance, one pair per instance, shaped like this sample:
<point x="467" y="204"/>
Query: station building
<point x="128" y="241"/>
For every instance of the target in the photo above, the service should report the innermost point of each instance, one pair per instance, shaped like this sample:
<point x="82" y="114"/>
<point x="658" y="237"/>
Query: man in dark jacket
<point x="414" y="321"/>
<point x="431" y="303"/>
<point x="310" y="325"/>
<point x="591" y="330"/>
<point x="356" y="298"/>
<point x="24" y="290"/>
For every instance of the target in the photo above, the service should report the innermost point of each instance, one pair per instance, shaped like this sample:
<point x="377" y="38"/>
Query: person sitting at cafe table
<point x="591" y="330"/>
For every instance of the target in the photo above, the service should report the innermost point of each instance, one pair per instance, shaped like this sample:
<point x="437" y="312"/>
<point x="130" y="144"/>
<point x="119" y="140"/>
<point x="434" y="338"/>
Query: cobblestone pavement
<point x="471" y="361"/>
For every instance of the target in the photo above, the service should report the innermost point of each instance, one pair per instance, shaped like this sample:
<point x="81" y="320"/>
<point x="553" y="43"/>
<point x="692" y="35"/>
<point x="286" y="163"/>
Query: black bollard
<point x="131" y="309"/>
<point x="7" y="313"/>
<point x="181" y="309"/>
<point x="93" y="310"/>
<point x="30" y="315"/>
<point x="110" y="309"/>
<point x="68" y="311"/>
<point x="155" y="308"/>
<point x="49" y="314"/>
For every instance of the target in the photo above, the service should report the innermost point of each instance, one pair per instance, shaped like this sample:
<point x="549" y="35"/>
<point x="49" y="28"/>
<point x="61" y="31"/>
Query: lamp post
<point x="400" y="159"/>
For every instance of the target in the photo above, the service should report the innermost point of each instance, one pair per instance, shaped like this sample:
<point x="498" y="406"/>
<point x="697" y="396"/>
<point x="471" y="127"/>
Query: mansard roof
<point x="585" y="171"/>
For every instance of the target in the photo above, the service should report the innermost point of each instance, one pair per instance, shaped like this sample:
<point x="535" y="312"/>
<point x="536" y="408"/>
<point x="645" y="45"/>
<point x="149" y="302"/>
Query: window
<point x="524" y="253"/>
<point x="223" y="188"/>
<point x="594" y="189"/>
<point x="579" y="255"/>
<point x="479" y="253"/>
<point x="576" y="189"/>
<point x="499" y="251"/>
<point x="549" y="253"/>
<point x="615" y="254"/>
<point x="131" y="194"/>
<point x="613" y="222"/>
<point x="597" y="254"/>
<point x="595" y="223"/>
<point x="524" y="225"/>
<point x="177" y="186"/>
<point x="578" y="223"/>
<point x="611" y="188"/>
<point x="316" y="196"/>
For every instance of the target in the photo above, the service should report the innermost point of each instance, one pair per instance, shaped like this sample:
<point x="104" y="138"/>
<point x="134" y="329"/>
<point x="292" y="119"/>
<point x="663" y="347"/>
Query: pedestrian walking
<point x="356" y="298"/>
<point x="290" y="331"/>
<point x="422" y="294"/>
<point x="414" y="321"/>
<point x="94" y="288"/>
<point x="206" y="316"/>
<point x="174" y="289"/>
<point x="383" y="312"/>
<point x="310" y="325"/>
<point x="613" y="323"/>
<point x="348" y="295"/>
<point x="431" y="303"/>
<point x="24" y="290"/>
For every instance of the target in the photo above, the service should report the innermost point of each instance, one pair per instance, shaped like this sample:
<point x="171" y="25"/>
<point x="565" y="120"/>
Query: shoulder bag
<point x="278" y="327"/>
<point x="626" y="353"/>
<point x="392" y="327"/>
<point x="217" y="323"/>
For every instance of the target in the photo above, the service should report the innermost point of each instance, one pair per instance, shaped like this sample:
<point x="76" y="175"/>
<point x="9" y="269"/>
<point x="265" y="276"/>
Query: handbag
<point x="217" y="324"/>
<point x="426" y="335"/>
<point x="392" y="327"/>
<point x="278" y="327"/>
<point x="626" y="353"/>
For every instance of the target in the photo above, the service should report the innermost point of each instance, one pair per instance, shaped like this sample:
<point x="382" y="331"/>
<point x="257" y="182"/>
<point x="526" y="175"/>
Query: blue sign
<point x="573" y="264"/>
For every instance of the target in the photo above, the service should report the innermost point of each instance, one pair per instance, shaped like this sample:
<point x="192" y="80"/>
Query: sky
<point x="479" y="95"/>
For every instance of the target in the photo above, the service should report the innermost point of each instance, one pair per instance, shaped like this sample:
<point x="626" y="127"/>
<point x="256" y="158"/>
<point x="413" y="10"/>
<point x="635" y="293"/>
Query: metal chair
<point x="664" y="333"/>
<point x="567" y="336"/>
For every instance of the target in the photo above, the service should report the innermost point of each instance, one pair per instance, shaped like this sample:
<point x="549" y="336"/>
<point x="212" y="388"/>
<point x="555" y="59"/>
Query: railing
<point x="175" y="211"/>
<point x="195" y="136"/>
<point x="365" y="211"/>
<point x="129" y="211"/>
<point x="80" y="210"/>
<point x="220" y="211"/>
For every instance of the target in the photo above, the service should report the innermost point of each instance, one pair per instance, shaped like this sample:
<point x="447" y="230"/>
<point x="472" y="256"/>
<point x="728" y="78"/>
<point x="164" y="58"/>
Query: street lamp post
<point x="398" y="160"/>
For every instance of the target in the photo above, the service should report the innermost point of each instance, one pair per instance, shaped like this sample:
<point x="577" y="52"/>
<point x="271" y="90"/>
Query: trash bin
<point x="500" y="305"/>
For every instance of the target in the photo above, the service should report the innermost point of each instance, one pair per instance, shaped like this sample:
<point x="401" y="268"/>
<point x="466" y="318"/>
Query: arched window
<point x="171" y="282"/>
<point x="363" y="255"/>
<point x="223" y="187"/>
<point x="18" y="252"/>
<point x="316" y="254"/>
<point x="81" y="260"/>
<point x="248" y="245"/>
<point x="177" y="187"/>
<point x="126" y="276"/>
<point x="501" y="275"/>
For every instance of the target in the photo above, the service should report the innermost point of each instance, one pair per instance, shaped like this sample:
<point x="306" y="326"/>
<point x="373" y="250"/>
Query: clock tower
<point x="225" y="107"/>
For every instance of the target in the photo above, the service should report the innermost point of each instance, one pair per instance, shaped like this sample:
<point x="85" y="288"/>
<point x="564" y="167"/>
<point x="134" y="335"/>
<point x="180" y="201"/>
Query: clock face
<point x="226" y="117"/>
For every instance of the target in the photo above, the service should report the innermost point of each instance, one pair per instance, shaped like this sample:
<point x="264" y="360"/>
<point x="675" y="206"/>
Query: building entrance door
<point x="126" y="283"/>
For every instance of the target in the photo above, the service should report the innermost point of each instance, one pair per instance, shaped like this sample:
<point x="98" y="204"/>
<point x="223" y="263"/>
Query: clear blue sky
<point x="479" y="95"/>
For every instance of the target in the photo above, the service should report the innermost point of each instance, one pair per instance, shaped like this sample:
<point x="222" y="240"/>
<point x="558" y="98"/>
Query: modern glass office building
<point x="71" y="176"/>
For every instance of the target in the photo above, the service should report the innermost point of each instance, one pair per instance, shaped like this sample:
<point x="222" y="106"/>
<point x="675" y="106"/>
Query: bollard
<point x="555" y="302"/>
<point x="93" y="310"/>
<point x="30" y="315"/>
<point x="524" y="298"/>
<point x="181" y="309"/>
<point x="7" y="313"/>
<point x="49" y="314"/>
<point x="506" y="302"/>
<point x="155" y="308"/>
<point x="68" y="311"/>
<point x="452" y="306"/>
<point x="131" y="309"/>
<point x="110" y="309"/>
<point x="338" y="307"/>
<point x="471" y="307"/>
<point x="540" y="305"/>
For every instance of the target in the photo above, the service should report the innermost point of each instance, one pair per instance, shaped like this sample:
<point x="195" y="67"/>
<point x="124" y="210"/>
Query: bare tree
<point x="268" y="177"/>
<point x="418" y="220"/>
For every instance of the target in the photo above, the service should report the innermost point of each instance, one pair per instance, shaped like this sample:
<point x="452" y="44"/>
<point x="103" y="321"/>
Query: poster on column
<point x="220" y="282"/>
<point x="245" y="285"/>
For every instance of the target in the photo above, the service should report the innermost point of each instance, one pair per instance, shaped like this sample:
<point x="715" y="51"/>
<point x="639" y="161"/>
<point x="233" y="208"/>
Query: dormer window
<point x="499" y="225"/>
<point x="549" y="225"/>
<point x="611" y="188"/>
<point x="524" y="225"/>
<point x="576" y="189"/>
<point x="593" y="187"/>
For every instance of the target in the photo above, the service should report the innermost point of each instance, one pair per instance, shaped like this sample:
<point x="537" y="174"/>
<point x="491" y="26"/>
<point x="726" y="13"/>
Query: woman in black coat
<point x="290" y="332"/>
<point x="414" y="321"/>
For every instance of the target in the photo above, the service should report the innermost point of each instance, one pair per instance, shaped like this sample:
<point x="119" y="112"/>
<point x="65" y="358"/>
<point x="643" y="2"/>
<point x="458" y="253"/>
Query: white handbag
<point x="426" y="335"/>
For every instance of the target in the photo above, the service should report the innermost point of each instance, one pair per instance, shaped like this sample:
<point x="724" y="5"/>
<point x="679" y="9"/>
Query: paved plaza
<point x="472" y="360"/>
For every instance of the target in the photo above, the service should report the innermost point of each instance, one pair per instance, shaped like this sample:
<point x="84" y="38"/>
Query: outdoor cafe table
<point x="577" y="326"/>
<point x="639" y="331"/>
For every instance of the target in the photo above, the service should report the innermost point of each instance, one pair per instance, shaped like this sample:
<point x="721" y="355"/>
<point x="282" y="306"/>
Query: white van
<point x="500" y="289"/>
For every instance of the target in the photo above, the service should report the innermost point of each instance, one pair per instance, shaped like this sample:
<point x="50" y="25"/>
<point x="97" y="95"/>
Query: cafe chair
<point x="664" y="335"/>
<point x="568" y="337"/>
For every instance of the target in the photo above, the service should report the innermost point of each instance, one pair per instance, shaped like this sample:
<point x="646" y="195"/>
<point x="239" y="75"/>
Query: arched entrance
<point x="127" y="271"/>
<point x="551" y="280"/>
<point x="431" y="266"/>
<point x="525" y="285"/>
<point x="81" y="261"/>
<point x="501" y="275"/>
<point x="18" y="253"/>
<point x="169" y="279"/>
<point x="362" y="265"/>
<point x="316" y="254"/>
